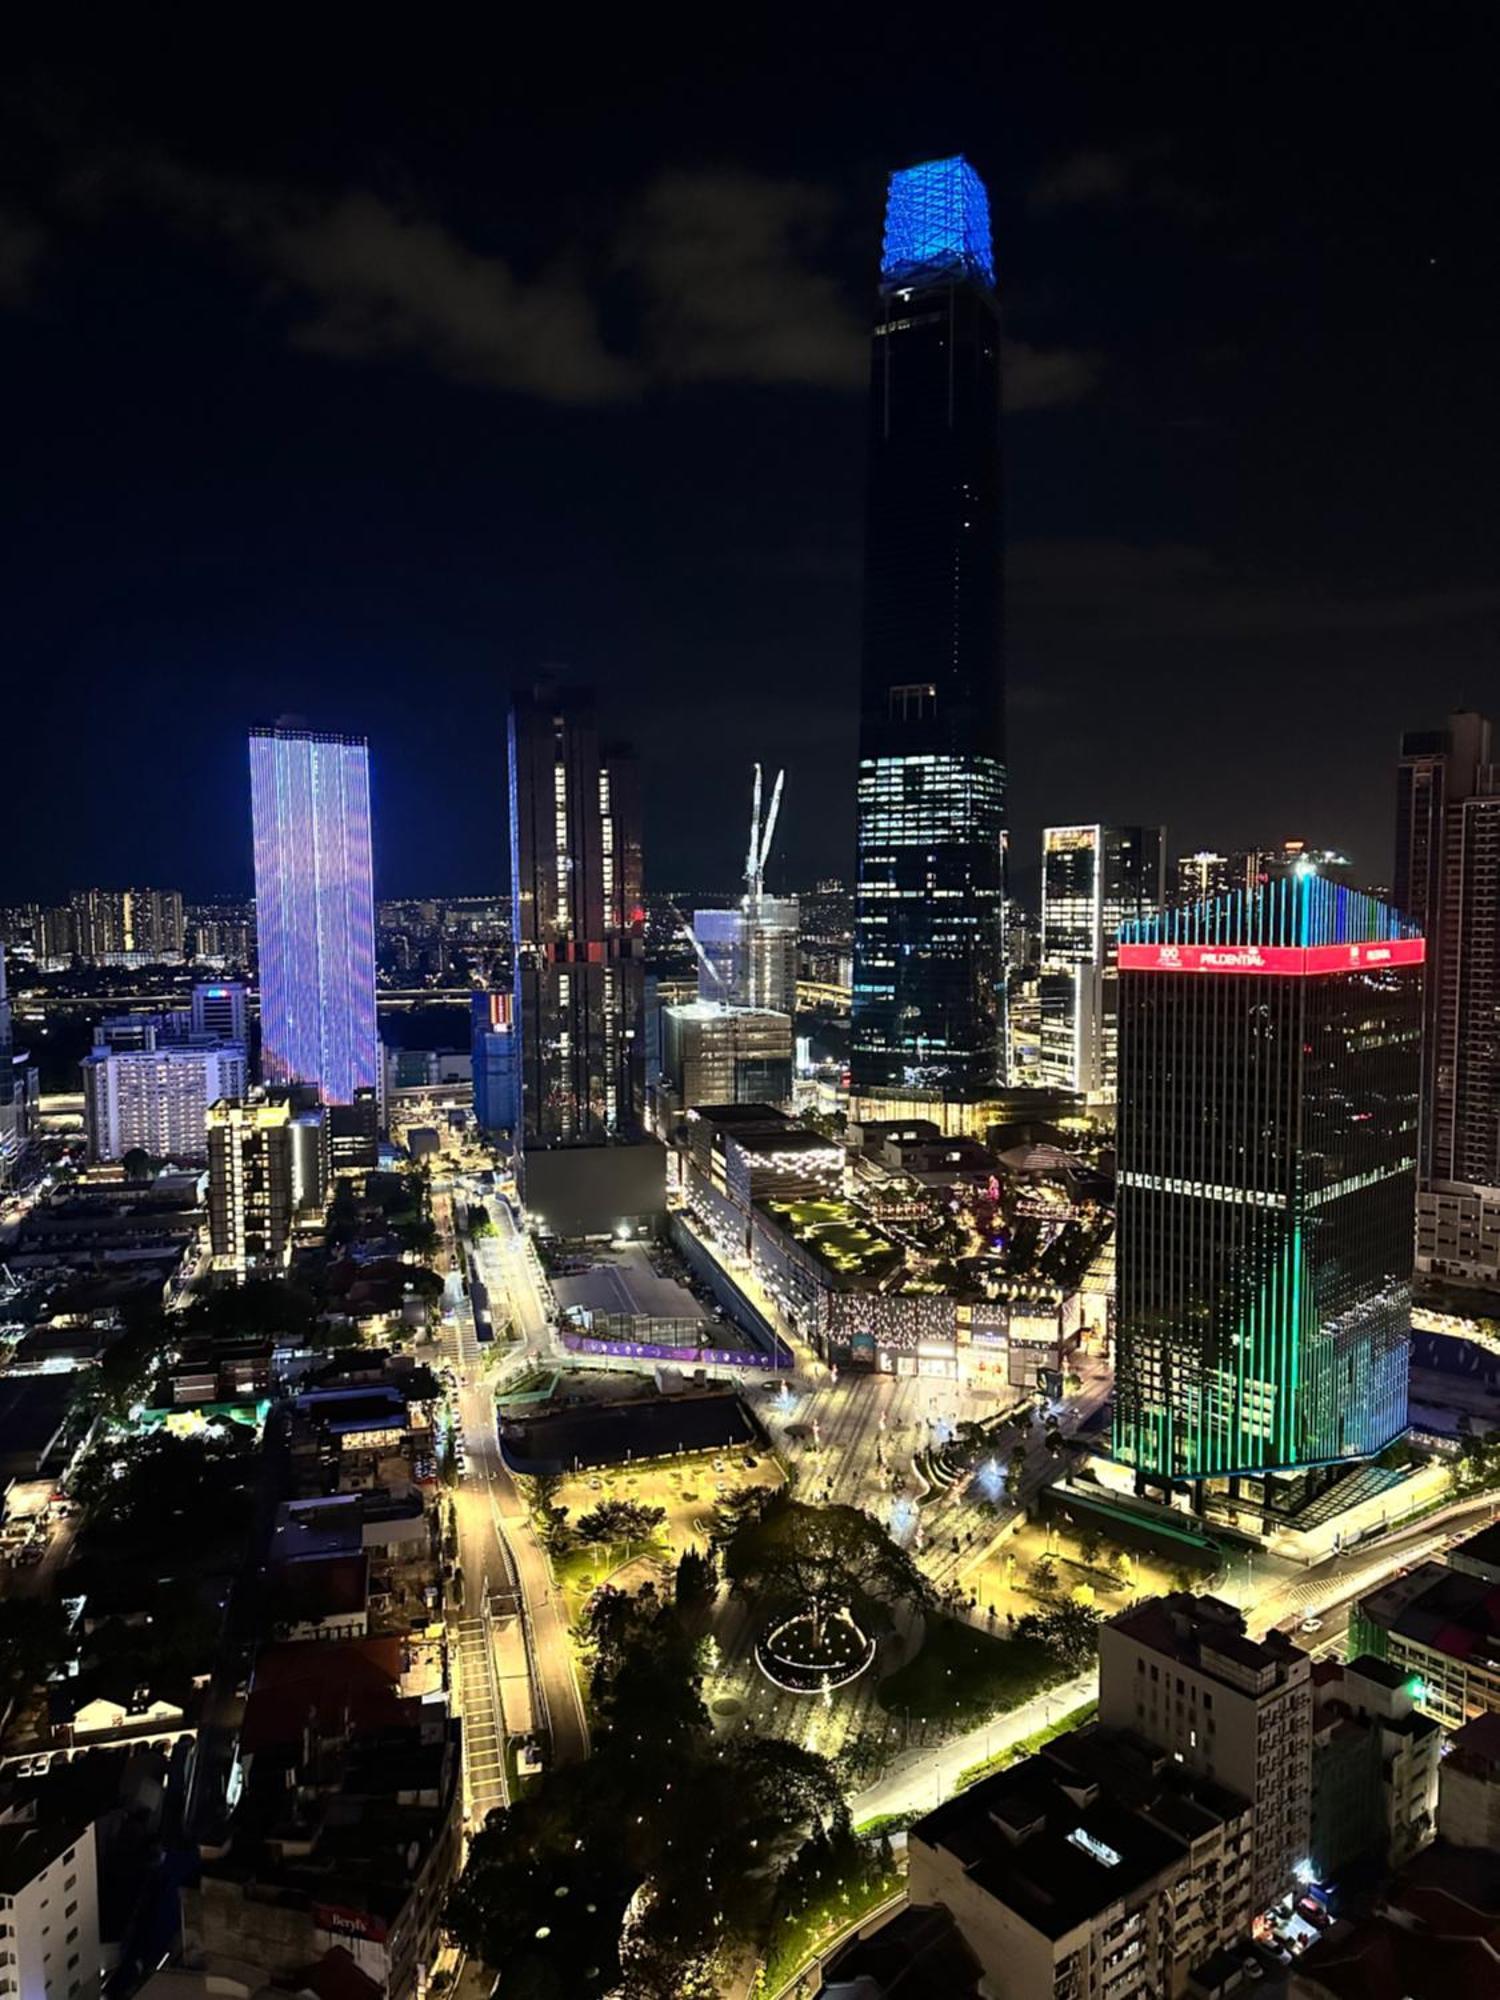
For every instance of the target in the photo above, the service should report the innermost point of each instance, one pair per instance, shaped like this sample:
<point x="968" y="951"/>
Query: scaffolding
<point x="937" y="225"/>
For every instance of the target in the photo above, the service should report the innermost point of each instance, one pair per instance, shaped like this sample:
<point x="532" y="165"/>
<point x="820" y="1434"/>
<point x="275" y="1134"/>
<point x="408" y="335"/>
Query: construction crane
<point x="687" y="931"/>
<point x="760" y="838"/>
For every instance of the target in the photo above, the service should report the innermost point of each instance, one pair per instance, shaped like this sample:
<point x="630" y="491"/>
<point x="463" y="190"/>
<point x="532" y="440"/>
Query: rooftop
<point x="1056" y="1853"/>
<point x="1208" y="1635"/>
<point x="855" y="1252"/>
<point x="1445" y="1609"/>
<point x="25" y="1850"/>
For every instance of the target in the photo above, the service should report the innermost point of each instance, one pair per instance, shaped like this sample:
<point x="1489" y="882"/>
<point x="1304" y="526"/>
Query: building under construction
<point x="734" y="1043"/>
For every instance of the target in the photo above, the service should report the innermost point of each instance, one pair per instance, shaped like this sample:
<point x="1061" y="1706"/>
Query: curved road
<point x="497" y="1543"/>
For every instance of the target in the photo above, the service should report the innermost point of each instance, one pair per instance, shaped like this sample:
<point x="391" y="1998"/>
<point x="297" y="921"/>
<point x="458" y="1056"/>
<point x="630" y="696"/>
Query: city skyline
<point x="912" y="1406"/>
<point x="1196" y="499"/>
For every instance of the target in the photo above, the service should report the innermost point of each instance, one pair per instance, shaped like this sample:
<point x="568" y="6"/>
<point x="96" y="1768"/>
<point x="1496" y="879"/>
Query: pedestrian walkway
<point x="483" y="1740"/>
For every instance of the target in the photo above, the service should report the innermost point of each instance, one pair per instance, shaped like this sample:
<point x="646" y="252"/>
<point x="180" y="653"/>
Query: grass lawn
<point x="811" y="1930"/>
<point x="961" y="1675"/>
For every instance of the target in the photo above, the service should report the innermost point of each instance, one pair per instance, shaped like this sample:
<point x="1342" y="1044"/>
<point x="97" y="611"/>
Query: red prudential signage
<point x="1293" y="961"/>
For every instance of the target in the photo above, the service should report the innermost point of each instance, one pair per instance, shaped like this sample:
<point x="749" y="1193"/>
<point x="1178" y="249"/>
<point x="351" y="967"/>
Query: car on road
<point x="1311" y="1625"/>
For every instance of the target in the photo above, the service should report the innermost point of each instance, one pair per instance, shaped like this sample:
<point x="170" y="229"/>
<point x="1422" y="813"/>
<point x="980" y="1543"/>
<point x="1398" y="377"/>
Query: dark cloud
<point x="1139" y="175"/>
<point x="734" y="269"/>
<point x="1175" y="591"/>
<point x="734" y="278"/>
<point x="21" y="245"/>
<point x="1042" y="378"/>
<point x="380" y="283"/>
<point x="1093" y="176"/>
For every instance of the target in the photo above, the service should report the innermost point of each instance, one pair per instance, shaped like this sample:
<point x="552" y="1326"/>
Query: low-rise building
<point x="1468" y="1813"/>
<point x="1181" y="1672"/>
<point x="1435" y="1935"/>
<point x="1439" y="1625"/>
<point x="1374" y="1768"/>
<point x="1094" y="1869"/>
<point x="341" y="1836"/>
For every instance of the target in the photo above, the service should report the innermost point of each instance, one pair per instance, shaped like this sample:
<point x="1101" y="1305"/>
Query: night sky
<point x="364" y="376"/>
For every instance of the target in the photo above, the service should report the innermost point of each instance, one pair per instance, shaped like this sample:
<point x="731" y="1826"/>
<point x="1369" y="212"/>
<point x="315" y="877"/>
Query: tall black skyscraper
<point x="929" y="914"/>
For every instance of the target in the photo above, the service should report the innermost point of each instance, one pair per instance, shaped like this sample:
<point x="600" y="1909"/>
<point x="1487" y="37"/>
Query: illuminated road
<point x="497" y="1542"/>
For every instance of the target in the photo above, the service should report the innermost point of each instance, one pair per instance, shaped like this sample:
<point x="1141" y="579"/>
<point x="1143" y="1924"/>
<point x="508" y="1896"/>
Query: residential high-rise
<point x="251" y="1187"/>
<point x="1269" y="1070"/>
<point x="1094" y="879"/>
<point x="929" y="931"/>
<point x="156" y="1099"/>
<point x="1448" y="883"/>
<point x="114" y="927"/>
<point x="1094" y="1870"/>
<point x="315" y="910"/>
<point x="10" y="1101"/>
<point x="579" y="924"/>
<point x="1181" y="1672"/>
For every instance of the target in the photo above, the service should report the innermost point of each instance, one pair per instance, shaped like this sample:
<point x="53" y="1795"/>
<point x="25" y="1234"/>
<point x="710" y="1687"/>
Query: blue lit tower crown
<point x="1269" y="1052"/>
<point x="928" y="926"/>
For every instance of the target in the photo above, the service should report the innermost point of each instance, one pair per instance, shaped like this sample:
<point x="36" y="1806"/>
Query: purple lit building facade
<point x="315" y="910"/>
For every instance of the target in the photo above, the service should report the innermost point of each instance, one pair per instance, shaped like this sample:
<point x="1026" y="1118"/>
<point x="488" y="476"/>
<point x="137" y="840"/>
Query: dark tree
<point x="33" y="1641"/>
<point x="1069" y="1631"/>
<point x="697" y="1579"/>
<point x="793" y="1555"/>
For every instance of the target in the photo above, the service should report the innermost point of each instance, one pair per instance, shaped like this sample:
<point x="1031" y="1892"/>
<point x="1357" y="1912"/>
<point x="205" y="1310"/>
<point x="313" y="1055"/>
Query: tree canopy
<point x="638" y="1869"/>
<point x="790" y="1555"/>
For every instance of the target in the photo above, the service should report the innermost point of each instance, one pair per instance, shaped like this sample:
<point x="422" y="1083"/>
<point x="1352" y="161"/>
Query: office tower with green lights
<point x="1270" y="1050"/>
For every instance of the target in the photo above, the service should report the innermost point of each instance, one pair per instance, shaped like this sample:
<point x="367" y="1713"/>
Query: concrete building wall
<point x="49" y="1924"/>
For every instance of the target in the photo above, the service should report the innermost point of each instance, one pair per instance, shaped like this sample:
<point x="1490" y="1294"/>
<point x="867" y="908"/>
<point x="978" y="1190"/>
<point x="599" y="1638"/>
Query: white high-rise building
<point x="1094" y="878"/>
<point x="49" y="1912"/>
<point x="157" y="1098"/>
<point x="1181" y="1672"/>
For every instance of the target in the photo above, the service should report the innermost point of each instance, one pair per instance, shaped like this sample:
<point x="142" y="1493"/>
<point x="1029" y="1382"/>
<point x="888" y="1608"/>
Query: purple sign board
<point x="692" y="1357"/>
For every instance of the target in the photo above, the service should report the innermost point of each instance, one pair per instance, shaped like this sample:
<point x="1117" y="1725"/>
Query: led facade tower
<point x="315" y="910"/>
<point x="1270" y="1049"/>
<point x="928" y="946"/>
<point x="575" y="830"/>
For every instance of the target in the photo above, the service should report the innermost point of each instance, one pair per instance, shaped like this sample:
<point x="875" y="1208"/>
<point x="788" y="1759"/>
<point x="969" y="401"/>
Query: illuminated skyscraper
<point x="1448" y="882"/>
<point x="1270" y="1047"/>
<point x="928" y="951"/>
<point x="579" y="925"/>
<point x="315" y="911"/>
<point x="1094" y="879"/>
